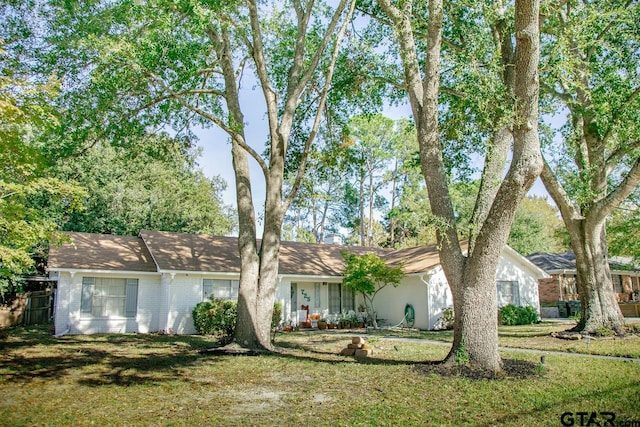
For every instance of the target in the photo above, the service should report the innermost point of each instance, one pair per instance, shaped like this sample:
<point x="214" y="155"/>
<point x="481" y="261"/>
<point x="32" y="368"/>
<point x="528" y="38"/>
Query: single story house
<point x="152" y="282"/>
<point x="562" y="284"/>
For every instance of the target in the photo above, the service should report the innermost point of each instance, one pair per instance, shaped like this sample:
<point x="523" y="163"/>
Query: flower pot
<point x="322" y="325"/>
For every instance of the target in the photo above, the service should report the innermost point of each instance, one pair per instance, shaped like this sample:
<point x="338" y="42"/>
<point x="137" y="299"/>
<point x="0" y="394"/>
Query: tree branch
<point x="313" y="64"/>
<point x="261" y="68"/>
<point x="617" y="113"/>
<point x="615" y="157"/>
<point x="559" y="194"/>
<point x="604" y="31"/>
<point x="320" y="109"/>
<point x="603" y="207"/>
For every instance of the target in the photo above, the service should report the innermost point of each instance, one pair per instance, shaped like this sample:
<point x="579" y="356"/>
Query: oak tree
<point x="419" y="36"/>
<point x="590" y="71"/>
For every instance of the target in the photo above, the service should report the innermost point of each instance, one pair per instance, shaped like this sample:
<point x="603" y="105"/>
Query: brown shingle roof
<point x="315" y="259"/>
<point x="102" y="252"/>
<point x="419" y="259"/>
<point x="202" y="253"/>
<point x="194" y="252"/>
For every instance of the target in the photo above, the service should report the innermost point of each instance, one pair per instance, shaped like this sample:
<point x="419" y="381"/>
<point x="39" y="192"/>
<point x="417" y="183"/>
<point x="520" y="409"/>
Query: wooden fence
<point x="31" y="308"/>
<point x="39" y="309"/>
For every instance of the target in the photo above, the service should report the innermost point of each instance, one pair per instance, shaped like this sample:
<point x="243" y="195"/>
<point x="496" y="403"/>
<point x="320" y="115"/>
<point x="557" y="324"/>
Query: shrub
<point x="507" y="315"/>
<point x="447" y="320"/>
<point x="276" y="317"/>
<point x="216" y="317"/>
<point x="219" y="317"/>
<point x="511" y="315"/>
<point x="528" y="315"/>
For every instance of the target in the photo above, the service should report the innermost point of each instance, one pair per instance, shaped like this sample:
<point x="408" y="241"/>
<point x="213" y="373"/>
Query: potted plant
<point x="331" y="321"/>
<point x="322" y="323"/>
<point x="353" y="319"/>
<point x="343" y="323"/>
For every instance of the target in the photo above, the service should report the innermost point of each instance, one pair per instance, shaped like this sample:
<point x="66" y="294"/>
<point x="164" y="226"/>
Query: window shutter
<point x="131" y="298"/>
<point x="234" y="289"/>
<point x="515" y="289"/>
<point x="86" y="304"/>
<point x="316" y="297"/>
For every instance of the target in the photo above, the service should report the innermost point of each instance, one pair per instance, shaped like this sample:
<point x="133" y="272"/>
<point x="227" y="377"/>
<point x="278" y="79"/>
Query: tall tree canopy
<point x="29" y="196"/>
<point x="132" y="66"/>
<point x="590" y="70"/>
<point x="152" y="187"/>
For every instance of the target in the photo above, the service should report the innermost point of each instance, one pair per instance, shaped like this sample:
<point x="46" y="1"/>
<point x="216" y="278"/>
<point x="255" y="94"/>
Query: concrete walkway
<point x="522" y="350"/>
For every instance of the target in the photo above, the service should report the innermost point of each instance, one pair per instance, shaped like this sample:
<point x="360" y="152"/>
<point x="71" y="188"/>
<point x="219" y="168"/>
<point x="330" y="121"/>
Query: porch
<point x="322" y="305"/>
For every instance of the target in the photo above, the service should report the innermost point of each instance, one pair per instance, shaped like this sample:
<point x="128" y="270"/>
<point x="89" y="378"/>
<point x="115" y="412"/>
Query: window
<point x="634" y="283"/>
<point x="617" y="283"/>
<point x="508" y="293"/>
<point x="219" y="289"/>
<point x="334" y="298"/>
<point x="348" y="299"/>
<point x="109" y="297"/>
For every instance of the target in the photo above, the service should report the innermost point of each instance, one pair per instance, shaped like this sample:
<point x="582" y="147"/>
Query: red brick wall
<point x="548" y="290"/>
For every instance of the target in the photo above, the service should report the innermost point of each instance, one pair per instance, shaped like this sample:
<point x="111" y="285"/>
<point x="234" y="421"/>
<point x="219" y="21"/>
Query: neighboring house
<point x="152" y="282"/>
<point x="563" y="286"/>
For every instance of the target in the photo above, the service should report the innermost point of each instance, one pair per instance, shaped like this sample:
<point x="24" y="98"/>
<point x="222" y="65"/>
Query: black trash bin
<point x="574" y="308"/>
<point x="563" y="309"/>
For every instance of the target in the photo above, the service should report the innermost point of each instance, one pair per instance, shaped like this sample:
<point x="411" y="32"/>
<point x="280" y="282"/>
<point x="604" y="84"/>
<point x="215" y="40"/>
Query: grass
<point x="168" y="380"/>
<point x="539" y="337"/>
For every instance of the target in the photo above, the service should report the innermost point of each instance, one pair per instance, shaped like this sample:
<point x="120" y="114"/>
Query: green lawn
<point x="167" y="380"/>
<point x="539" y="337"/>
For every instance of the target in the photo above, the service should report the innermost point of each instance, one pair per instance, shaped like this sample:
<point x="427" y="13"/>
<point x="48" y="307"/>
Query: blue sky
<point x="216" y="151"/>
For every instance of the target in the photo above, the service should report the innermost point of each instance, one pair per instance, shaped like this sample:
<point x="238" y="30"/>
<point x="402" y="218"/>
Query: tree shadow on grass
<point x="98" y="359"/>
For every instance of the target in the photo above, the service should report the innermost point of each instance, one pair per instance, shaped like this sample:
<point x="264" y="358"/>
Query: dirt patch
<point x="256" y="400"/>
<point x="233" y="349"/>
<point x="511" y="368"/>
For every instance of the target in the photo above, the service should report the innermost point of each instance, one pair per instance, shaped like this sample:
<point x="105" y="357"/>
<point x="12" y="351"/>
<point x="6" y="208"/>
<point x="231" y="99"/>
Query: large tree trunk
<point x="259" y="276"/>
<point x="472" y="278"/>
<point x="599" y="307"/>
<point x="246" y="332"/>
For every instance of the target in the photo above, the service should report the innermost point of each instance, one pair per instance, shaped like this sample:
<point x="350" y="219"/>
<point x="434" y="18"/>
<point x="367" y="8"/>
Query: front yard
<point x="168" y="380"/>
<point x="539" y="337"/>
